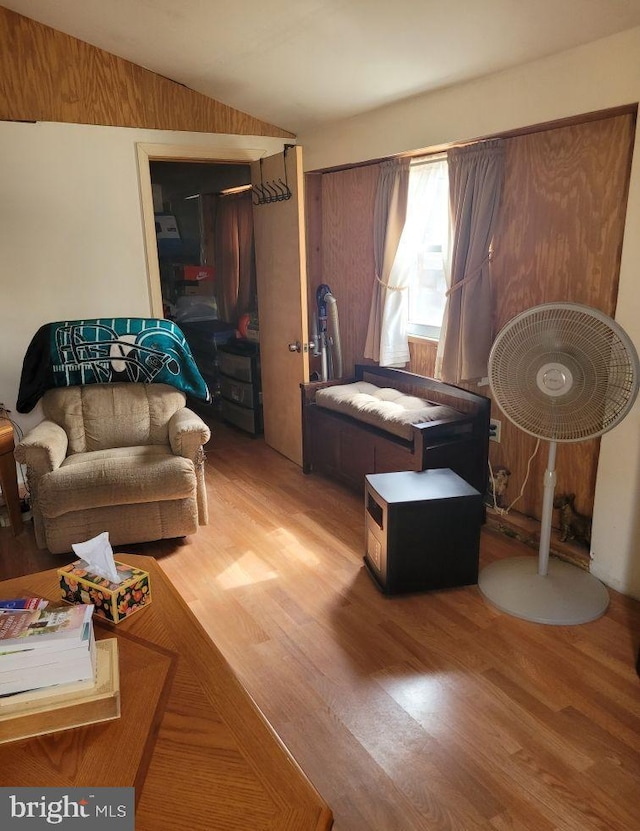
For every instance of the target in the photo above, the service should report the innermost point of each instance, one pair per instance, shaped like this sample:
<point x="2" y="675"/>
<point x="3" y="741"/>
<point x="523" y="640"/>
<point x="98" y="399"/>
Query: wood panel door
<point x="281" y="281"/>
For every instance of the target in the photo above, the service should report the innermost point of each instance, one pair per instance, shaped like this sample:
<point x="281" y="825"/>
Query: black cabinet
<point x="240" y="388"/>
<point x="422" y="530"/>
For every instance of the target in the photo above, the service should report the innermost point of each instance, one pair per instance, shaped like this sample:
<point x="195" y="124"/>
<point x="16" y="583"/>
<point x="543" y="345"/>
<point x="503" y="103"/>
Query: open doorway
<point x="280" y="276"/>
<point x="150" y="153"/>
<point x="204" y="234"/>
<point x="206" y="260"/>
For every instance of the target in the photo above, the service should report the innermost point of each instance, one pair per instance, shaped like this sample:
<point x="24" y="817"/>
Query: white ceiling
<point x="299" y="63"/>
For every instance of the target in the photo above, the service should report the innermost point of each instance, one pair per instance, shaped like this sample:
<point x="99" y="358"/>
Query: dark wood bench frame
<point x="346" y="449"/>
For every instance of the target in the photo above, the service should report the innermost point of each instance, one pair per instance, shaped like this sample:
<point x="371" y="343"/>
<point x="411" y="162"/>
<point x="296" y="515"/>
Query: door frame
<point x="147" y="153"/>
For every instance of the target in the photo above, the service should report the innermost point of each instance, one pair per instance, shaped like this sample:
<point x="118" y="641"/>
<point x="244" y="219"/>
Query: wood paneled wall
<point x="340" y="246"/>
<point x="49" y="76"/>
<point x="560" y="238"/>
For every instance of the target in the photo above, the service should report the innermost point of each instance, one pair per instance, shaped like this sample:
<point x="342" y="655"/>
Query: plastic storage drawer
<point x="237" y="366"/>
<point x="238" y="392"/>
<point x="247" y="419"/>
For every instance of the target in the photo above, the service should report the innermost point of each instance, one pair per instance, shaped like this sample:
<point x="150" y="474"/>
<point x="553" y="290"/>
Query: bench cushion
<point x="383" y="407"/>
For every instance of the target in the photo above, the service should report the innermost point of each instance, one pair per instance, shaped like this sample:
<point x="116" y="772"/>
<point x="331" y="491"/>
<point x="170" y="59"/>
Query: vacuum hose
<point x="333" y="336"/>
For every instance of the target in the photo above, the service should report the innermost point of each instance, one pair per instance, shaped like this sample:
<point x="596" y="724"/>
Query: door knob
<point x="301" y="347"/>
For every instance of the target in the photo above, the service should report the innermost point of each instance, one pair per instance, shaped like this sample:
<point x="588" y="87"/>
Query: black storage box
<point x="422" y="530"/>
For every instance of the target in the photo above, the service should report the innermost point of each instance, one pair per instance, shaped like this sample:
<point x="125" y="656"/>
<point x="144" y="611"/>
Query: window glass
<point x="424" y="246"/>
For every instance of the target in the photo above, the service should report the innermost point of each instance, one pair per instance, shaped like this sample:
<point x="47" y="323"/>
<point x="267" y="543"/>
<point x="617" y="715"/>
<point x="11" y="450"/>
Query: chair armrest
<point x="43" y="449"/>
<point x="187" y="433"/>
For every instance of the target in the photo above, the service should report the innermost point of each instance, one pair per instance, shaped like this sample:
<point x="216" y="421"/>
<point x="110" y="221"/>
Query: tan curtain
<point x="388" y="221"/>
<point x="234" y="257"/>
<point x="476" y="175"/>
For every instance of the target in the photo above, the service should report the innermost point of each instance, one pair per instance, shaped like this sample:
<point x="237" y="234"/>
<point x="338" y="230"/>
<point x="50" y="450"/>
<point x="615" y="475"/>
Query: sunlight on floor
<point x="246" y="571"/>
<point x="251" y="568"/>
<point x="294" y="546"/>
<point x="420" y="695"/>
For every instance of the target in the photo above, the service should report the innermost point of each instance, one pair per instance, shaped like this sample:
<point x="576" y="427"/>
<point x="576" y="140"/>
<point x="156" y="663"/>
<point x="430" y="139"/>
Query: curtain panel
<point x="390" y="212"/>
<point x="476" y="175"/>
<point x="234" y="257"/>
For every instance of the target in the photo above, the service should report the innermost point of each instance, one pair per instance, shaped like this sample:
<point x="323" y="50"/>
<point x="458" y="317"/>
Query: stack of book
<point x="51" y="709"/>
<point x="45" y="647"/>
<point x="53" y="674"/>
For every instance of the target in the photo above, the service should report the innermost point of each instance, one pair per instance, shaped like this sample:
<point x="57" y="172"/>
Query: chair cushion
<point x="388" y="409"/>
<point x="101" y="416"/>
<point x="120" y="476"/>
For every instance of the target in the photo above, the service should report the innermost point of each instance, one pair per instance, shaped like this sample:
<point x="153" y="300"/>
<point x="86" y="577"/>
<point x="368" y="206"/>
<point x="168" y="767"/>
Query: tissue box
<point x="112" y="601"/>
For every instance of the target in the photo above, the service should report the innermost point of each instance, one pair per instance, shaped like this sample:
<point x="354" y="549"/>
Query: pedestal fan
<point x="562" y="372"/>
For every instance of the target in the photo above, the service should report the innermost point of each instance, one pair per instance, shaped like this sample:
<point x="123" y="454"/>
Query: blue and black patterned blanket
<point x="104" y="350"/>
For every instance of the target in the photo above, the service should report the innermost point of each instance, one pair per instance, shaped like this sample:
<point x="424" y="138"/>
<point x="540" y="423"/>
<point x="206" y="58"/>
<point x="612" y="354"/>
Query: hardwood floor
<point x="431" y="711"/>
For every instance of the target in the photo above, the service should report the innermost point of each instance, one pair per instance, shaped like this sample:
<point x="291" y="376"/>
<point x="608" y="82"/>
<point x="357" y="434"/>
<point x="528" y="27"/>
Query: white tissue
<point x="98" y="555"/>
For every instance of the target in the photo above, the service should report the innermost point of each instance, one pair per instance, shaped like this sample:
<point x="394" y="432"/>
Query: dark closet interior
<point x="206" y="255"/>
<point x="186" y="202"/>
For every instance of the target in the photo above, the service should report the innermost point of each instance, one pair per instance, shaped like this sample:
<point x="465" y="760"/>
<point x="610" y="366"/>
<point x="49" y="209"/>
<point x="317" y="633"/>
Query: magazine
<point x="24" y="603"/>
<point x="48" y="628"/>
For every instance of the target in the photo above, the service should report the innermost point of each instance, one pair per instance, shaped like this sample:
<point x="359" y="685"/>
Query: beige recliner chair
<point x="125" y="458"/>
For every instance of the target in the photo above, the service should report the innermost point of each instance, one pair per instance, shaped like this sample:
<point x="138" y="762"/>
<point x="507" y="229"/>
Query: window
<point x="423" y="250"/>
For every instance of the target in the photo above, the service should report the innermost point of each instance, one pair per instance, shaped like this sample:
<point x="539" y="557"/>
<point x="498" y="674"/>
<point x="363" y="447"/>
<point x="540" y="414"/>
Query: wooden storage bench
<point x="346" y="448"/>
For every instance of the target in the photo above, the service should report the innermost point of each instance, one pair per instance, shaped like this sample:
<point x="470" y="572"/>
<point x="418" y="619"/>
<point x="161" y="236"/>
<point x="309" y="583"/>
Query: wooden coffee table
<point x="190" y="739"/>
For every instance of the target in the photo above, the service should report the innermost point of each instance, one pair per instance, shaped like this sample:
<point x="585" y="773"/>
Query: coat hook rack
<point x="266" y="193"/>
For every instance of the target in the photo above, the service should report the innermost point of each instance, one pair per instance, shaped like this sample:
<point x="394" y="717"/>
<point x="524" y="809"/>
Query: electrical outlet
<point x="495" y="429"/>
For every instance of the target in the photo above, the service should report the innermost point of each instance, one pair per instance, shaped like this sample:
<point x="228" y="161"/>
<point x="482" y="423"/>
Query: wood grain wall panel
<point x="423" y="357"/>
<point x="560" y="238"/>
<point x="49" y="76"/>
<point x="347" y="253"/>
<point x="313" y="221"/>
<point x="562" y="217"/>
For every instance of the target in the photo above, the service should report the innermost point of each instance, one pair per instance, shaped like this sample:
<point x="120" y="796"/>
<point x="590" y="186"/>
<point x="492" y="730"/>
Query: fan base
<point x="565" y="596"/>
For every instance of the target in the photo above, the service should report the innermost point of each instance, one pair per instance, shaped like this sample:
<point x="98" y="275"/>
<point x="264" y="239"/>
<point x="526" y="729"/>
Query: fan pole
<point x="547" y="510"/>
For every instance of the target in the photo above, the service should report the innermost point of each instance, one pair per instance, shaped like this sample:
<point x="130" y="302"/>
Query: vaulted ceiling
<point x="301" y="63"/>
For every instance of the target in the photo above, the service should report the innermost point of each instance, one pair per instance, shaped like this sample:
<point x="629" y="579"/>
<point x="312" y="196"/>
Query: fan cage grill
<point x="598" y="354"/>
